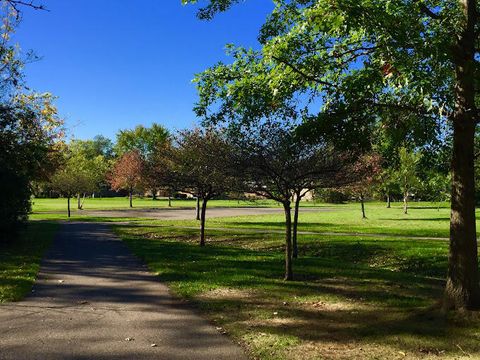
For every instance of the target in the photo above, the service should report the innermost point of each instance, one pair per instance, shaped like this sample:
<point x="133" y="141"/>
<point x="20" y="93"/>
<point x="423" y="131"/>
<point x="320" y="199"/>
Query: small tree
<point x="202" y="167"/>
<point x="436" y="187"/>
<point x="127" y="173"/>
<point x="276" y="164"/>
<point x="71" y="179"/>
<point x="157" y="168"/>
<point x="66" y="182"/>
<point x="86" y="158"/>
<point x="365" y="175"/>
<point x="387" y="184"/>
<point x="407" y="173"/>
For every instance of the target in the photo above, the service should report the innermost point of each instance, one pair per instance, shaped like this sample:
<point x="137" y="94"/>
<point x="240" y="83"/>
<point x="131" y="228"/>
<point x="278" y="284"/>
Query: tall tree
<point x="147" y="141"/>
<point x="365" y="61"/>
<point x="143" y="139"/>
<point x="30" y="130"/>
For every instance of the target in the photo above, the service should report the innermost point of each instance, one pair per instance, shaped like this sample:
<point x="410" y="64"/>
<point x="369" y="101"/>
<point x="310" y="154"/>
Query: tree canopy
<point x="346" y="68"/>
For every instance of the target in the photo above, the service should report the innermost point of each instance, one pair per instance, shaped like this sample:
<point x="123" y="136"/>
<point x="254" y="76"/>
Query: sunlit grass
<point x="20" y="257"/>
<point x="366" y="297"/>
<point x="116" y="203"/>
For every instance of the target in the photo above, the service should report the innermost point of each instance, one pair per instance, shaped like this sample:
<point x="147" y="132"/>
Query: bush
<point x="330" y="196"/>
<point x="15" y="204"/>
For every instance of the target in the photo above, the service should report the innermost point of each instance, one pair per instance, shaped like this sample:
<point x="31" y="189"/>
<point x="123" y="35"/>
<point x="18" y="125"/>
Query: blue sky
<point x="117" y="63"/>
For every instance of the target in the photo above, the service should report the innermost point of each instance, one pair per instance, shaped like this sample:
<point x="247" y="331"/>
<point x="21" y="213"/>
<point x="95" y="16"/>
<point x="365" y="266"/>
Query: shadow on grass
<point x="20" y="257"/>
<point x="344" y="290"/>
<point x="446" y="219"/>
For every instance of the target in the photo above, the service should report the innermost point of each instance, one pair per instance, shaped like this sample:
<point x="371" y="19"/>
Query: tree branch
<point x="302" y="73"/>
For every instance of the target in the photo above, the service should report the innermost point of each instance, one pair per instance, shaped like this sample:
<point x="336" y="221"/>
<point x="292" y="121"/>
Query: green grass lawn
<point x="354" y="297"/>
<point x="115" y="203"/>
<point x="422" y="220"/>
<point x="20" y="258"/>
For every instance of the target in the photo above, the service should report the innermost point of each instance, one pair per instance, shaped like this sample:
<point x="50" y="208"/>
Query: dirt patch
<point x="227" y="294"/>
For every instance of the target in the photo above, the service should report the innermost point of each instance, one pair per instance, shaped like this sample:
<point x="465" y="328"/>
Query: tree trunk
<point x="462" y="290"/>
<point x="362" y="202"/>
<point x="288" y="241"/>
<point x="154" y="194"/>
<point x="130" y="195"/>
<point x="202" y="222"/>
<point x="169" y="201"/>
<point x="79" y="202"/>
<point x="405" y="202"/>
<point x="83" y="201"/>
<point x="68" y="205"/>
<point x="388" y="201"/>
<point x="295" y="227"/>
<point x="197" y="208"/>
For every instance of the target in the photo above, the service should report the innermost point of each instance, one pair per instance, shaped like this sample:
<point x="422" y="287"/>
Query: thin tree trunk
<point x="388" y="201"/>
<point x="362" y="202"/>
<point x="130" y="196"/>
<point x="288" y="241"/>
<point x="169" y="201"/>
<point x="83" y="201"/>
<point x="68" y="205"/>
<point x="197" y="208"/>
<point x="295" y="226"/>
<point x="405" y="203"/>
<point x="202" y="222"/>
<point x="154" y="194"/>
<point x="79" y="203"/>
<point x="462" y="290"/>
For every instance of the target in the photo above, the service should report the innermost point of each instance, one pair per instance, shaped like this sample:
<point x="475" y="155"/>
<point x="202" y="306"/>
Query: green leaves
<point x="329" y="63"/>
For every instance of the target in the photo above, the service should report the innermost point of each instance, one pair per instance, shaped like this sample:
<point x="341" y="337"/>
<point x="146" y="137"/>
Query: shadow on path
<point x="91" y="295"/>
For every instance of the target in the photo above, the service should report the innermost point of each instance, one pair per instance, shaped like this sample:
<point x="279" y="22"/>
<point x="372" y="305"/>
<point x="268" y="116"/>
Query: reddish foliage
<point x="127" y="171"/>
<point x="366" y="171"/>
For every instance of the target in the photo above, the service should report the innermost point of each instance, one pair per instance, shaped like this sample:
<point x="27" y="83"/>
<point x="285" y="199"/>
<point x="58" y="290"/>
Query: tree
<point x="67" y="181"/>
<point x="147" y="141"/>
<point x="127" y="173"/>
<point x="143" y="139"/>
<point x="366" y="61"/>
<point x="407" y="173"/>
<point x="388" y="184"/>
<point x="98" y="146"/>
<point x="158" y="170"/>
<point x="436" y="187"/>
<point x="30" y="130"/>
<point x="365" y="173"/>
<point x="275" y="163"/>
<point x="77" y="174"/>
<point x="201" y="167"/>
<point x="88" y="158"/>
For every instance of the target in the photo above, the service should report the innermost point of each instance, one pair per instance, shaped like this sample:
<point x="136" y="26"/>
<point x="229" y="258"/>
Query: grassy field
<point x="422" y="220"/>
<point x="115" y="203"/>
<point x="20" y="259"/>
<point x="354" y="297"/>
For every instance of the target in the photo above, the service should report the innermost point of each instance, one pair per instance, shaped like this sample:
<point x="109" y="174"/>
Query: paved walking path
<point x="184" y="213"/>
<point x="94" y="300"/>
